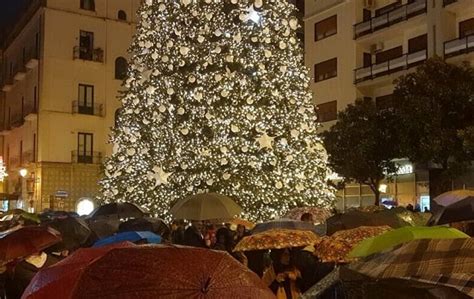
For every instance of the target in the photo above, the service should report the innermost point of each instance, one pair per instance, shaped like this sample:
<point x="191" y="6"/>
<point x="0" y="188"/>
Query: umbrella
<point x="402" y="235"/>
<point x="154" y="225"/>
<point x="206" y="206"/>
<point x="150" y="271"/>
<point x="130" y="237"/>
<point x="319" y="214"/>
<point x="74" y="233"/>
<point x="336" y="247"/>
<point x="25" y="241"/>
<point x="451" y="197"/>
<point x="462" y="210"/>
<point x="238" y="221"/>
<point x="16" y="214"/>
<point x="50" y="215"/>
<point x="277" y="239"/>
<point x="118" y="210"/>
<point x="448" y="262"/>
<point x="283" y="224"/>
<point x="354" y="219"/>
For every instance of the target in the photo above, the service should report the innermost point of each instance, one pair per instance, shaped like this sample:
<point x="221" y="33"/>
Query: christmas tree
<point x="217" y="100"/>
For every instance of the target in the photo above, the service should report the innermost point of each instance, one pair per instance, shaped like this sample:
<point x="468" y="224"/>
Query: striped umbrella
<point x="448" y="262"/>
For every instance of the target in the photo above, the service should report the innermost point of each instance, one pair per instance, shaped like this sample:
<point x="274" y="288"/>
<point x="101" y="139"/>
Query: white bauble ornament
<point x="279" y="185"/>
<point x="208" y="116"/>
<point x="284" y="142"/>
<point x="169" y="44"/>
<point x="184" y="166"/>
<point x="224" y="150"/>
<point x="254" y="39"/>
<point x="289" y="158"/>
<point x="148" y="44"/>
<point x="292" y="40"/>
<point x="283" y="68"/>
<point x="133" y="139"/>
<point x="299" y="187"/>
<point x="198" y="96"/>
<point x="302" y="110"/>
<point x="170" y="91"/>
<point x="226" y="176"/>
<point x="217" y="32"/>
<point x="200" y="39"/>
<point x="234" y="129"/>
<point x="181" y="111"/>
<point x="238" y="37"/>
<point x="245" y="149"/>
<point x="149" y="2"/>
<point x="258" y="3"/>
<point x="210" y="182"/>
<point x="184" y="51"/>
<point x="185" y="131"/>
<point x="135" y="101"/>
<point x="282" y="45"/>
<point x="229" y="58"/>
<point x="295" y="133"/>
<point x="224" y="161"/>
<point x="217" y="50"/>
<point x="185" y="2"/>
<point x="165" y="58"/>
<point x="250" y="101"/>
<point x="115" y="148"/>
<point x="217" y="77"/>
<point x="191" y="79"/>
<point x="161" y="7"/>
<point x="131" y="151"/>
<point x="162" y="108"/>
<point x="115" y="191"/>
<point x="225" y="93"/>
<point x="190" y="188"/>
<point x="150" y="90"/>
<point x="293" y="23"/>
<point x="154" y="56"/>
<point x="150" y="101"/>
<point x="268" y="53"/>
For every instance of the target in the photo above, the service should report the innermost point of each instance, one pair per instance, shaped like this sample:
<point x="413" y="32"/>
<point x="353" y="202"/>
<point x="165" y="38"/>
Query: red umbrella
<point x="25" y="241"/>
<point x="128" y="271"/>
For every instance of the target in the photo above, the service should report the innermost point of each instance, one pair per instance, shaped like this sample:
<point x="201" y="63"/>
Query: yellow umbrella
<point x="277" y="239"/>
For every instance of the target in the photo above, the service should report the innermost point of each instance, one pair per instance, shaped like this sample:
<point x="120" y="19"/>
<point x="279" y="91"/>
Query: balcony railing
<point x="447" y="2"/>
<point x="27" y="157"/>
<point x="85" y="53"/>
<point x="20" y="73"/>
<point x="391" y="66"/>
<point x="95" y="109"/>
<point x="459" y="46"/>
<point x="7" y="84"/>
<point x="390" y="18"/>
<point x="16" y="120"/>
<point x="86" y="157"/>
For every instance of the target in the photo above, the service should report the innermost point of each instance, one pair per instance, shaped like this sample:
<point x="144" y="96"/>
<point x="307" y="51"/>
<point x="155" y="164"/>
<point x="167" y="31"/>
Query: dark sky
<point x="8" y="11"/>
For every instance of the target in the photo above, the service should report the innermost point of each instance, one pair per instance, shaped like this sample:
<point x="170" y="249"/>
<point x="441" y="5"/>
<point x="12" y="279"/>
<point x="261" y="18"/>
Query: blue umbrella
<point x="134" y="236"/>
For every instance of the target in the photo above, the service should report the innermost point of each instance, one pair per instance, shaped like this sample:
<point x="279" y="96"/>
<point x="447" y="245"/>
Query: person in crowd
<point x="210" y="235"/>
<point x="282" y="276"/>
<point x="307" y="217"/>
<point x="177" y="232"/>
<point x="304" y="260"/>
<point x="255" y="261"/>
<point x="224" y="240"/>
<point x="193" y="235"/>
<point x="241" y="233"/>
<point x="19" y="275"/>
<point x="410" y="207"/>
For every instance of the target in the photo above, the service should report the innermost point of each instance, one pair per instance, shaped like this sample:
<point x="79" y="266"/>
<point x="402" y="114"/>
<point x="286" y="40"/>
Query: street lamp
<point x="23" y="172"/>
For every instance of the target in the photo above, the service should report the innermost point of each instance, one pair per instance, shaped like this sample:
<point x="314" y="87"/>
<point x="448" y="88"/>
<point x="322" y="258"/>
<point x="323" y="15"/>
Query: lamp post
<point x="24" y="193"/>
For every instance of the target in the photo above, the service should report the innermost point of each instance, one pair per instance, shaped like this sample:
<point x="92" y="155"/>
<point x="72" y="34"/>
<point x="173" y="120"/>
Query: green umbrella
<point x="19" y="213"/>
<point x="402" y="235"/>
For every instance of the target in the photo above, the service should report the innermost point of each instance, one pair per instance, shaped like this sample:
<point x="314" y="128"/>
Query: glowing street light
<point x="23" y="172"/>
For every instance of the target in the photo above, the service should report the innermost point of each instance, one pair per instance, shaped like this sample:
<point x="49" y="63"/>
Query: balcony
<point x="16" y="120"/>
<point x="88" y="54"/>
<point x="403" y="62"/>
<point x="447" y="2"/>
<point x="30" y="111"/>
<point x="95" y="109"/>
<point x="459" y="46"/>
<point x="20" y="73"/>
<point x="31" y="60"/>
<point x="397" y="15"/>
<point x="27" y="157"/>
<point x="86" y="157"/>
<point x="7" y="85"/>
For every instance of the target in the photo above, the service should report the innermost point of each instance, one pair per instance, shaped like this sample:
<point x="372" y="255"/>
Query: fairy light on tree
<point x="3" y="170"/>
<point x="217" y="100"/>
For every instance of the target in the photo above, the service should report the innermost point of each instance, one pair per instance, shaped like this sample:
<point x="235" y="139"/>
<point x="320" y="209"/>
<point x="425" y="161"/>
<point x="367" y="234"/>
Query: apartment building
<point x="62" y="67"/>
<point x="357" y="48"/>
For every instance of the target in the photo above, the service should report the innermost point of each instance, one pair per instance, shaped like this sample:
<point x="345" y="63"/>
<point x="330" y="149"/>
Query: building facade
<point x="62" y="67"/>
<point x="357" y="48"/>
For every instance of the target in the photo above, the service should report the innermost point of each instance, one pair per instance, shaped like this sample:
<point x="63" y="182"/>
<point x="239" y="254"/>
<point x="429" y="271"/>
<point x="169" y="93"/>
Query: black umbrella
<point x="119" y="211"/>
<point x="462" y="210"/>
<point x="355" y="219"/>
<point x="74" y="232"/>
<point x="155" y="225"/>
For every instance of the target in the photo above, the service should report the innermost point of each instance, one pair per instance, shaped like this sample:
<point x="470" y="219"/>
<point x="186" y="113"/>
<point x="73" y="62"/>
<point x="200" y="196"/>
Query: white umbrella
<point x="206" y="206"/>
<point x="451" y="197"/>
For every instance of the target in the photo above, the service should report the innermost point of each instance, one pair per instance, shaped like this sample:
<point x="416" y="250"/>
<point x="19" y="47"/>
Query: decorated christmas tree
<point x="217" y="100"/>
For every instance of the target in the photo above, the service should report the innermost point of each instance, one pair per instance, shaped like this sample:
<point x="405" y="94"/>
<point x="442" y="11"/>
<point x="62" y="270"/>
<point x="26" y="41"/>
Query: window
<point x="86" y="99"/>
<point x="466" y="28"/>
<point x="122" y="15"/>
<point x="84" y="147"/>
<point x="86" y="45"/>
<point x="325" y="28"/>
<point x="417" y="43"/>
<point x="387" y="8"/>
<point x="121" y="67"/>
<point x="327" y="111"/>
<point x="384" y="102"/>
<point x="325" y="70"/>
<point x="88" y="5"/>
<point x="388" y="54"/>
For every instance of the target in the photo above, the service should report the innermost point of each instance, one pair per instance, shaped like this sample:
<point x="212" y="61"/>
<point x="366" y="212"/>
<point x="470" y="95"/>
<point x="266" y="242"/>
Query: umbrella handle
<point x="205" y="288"/>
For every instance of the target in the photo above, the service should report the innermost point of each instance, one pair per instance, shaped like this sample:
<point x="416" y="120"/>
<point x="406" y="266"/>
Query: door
<point x="85" y="148"/>
<point x="366" y="15"/>
<point x="86" y="44"/>
<point x="86" y="99"/>
<point x="367" y="59"/>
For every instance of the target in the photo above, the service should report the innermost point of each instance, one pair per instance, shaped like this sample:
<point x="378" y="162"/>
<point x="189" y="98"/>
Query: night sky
<point x="8" y="11"/>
